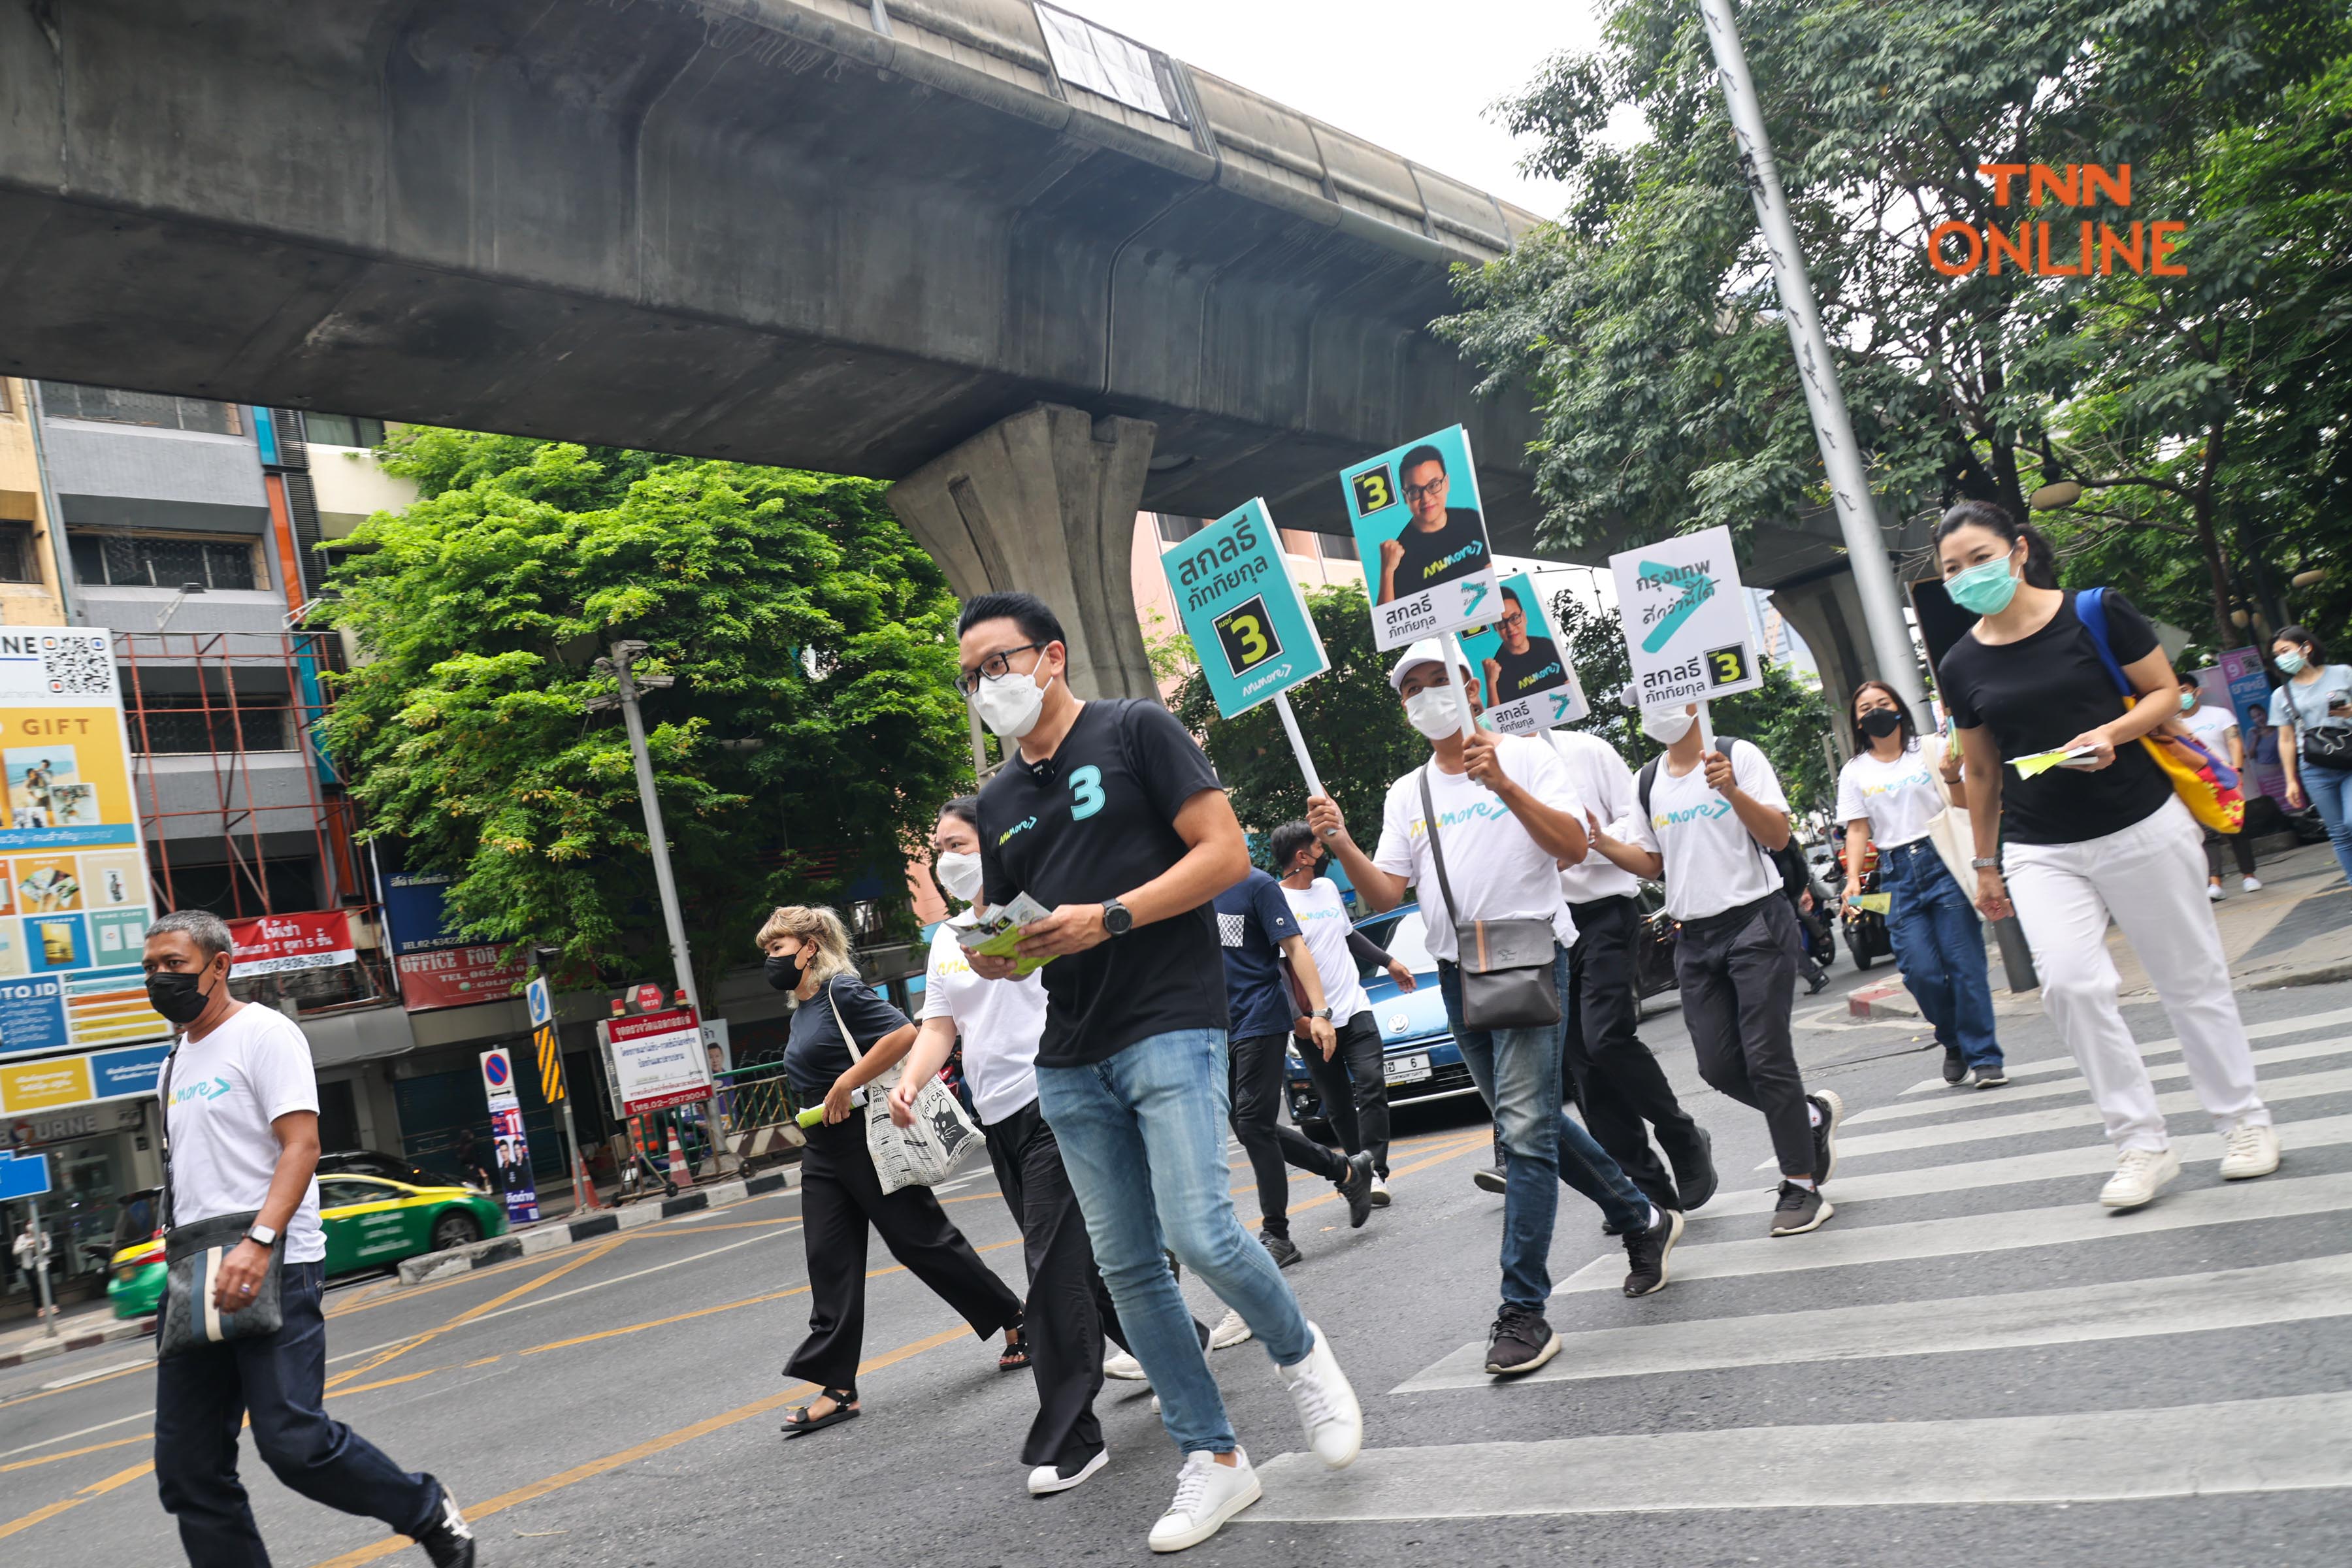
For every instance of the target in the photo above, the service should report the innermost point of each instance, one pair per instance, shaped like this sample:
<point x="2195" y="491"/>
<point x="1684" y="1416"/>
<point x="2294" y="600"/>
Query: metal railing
<point x="757" y="1096"/>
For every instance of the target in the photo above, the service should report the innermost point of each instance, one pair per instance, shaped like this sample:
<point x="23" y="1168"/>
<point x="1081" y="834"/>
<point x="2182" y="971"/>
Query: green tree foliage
<point x="811" y="733"/>
<point x="1648" y="328"/>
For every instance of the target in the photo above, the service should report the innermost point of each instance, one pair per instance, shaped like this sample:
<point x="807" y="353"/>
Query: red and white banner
<point x="657" y="1061"/>
<point x="276" y="944"/>
<point x="457" y="977"/>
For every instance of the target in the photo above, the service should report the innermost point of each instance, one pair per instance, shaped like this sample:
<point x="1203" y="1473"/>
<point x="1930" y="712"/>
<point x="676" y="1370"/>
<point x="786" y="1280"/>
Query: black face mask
<point x="783" y="971"/>
<point x="1881" y="722"/>
<point x="178" y="995"/>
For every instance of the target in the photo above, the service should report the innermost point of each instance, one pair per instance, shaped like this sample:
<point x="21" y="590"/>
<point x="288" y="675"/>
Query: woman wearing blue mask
<point x="2313" y="715"/>
<point x="2102" y="835"/>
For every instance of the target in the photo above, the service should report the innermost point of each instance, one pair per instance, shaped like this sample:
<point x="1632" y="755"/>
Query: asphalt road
<point x="1971" y="1364"/>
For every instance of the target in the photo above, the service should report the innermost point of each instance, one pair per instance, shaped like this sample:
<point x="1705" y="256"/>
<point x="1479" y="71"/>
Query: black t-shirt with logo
<point x="1095" y="820"/>
<point x="1516" y="674"/>
<point x="2037" y="694"/>
<point x="1455" y="551"/>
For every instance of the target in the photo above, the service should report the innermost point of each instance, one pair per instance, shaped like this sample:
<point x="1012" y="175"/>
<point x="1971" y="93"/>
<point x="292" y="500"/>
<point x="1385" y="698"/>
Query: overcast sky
<point x="1415" y="79"/>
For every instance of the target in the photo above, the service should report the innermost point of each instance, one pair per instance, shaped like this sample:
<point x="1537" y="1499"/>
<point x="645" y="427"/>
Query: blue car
<point x="1424" y="1063"/>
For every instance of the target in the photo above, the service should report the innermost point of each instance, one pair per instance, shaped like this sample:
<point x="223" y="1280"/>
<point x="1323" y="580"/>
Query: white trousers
<point x="2152" y="879"/>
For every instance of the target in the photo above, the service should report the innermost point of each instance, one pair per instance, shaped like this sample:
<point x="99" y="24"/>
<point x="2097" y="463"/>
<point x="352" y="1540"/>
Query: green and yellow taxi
<point x="371" y="1222"/>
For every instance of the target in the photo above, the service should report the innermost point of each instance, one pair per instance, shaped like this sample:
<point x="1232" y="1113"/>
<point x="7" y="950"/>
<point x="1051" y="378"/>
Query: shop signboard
<point x="655" y="1060"/>
<point x="436" y="969"/>
<point x="74" y="910"/>
<point x="60" y="1083"/>
<point x="273" y="944"/>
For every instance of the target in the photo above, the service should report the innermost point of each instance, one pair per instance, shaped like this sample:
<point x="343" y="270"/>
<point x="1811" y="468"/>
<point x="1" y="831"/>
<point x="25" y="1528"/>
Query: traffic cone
<point x="679" y="1171"/>
<point x="583" y="1186"/>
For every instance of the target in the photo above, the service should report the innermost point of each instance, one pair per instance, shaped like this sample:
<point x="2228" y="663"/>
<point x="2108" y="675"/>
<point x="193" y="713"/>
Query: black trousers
<point x="1257" y="1072"/>
<point x="1738" y="976"/>
<point x="2240" y="846"/>
<point x="1618" y="1086"/>
<point x="1354" y="1088"/>
<point x="840" y="1196"/>
<point x="1070" y="1311"/>
<point x="204" y="1395"/>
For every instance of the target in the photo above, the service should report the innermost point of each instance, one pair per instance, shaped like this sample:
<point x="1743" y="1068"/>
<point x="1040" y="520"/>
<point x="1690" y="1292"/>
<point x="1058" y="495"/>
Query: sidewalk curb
<point x="2309" y="975"/>
<point x="42" y="1349"/>
<point x="1885" y="1000"/>
<point x="571" y="1232"/>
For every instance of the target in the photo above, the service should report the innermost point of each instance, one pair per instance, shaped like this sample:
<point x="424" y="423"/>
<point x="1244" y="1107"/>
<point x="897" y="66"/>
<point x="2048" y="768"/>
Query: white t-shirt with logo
<point x="1001" y="1022"/>
<point x="2211" y="726"/>
<point x="226" y="1090"/>
<point x="1323" y="919"/>
<point x="1606" y="784"/>
<point x="1898" y="798"/>
<point x="1712" y="863"/>
<point x="1498" y="869"/>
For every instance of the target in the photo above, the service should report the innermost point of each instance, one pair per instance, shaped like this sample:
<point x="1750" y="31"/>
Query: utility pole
<point x="1874" y="577"/>
<point x="620" y="666"/>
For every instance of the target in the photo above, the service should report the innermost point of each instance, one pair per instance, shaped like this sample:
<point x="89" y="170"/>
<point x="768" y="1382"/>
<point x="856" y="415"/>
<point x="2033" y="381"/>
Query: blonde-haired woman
<point x="808" y="956"/>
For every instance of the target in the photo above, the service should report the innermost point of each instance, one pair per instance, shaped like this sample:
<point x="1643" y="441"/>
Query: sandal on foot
<point x="1017" y="1351"/>
<point x="800" y="1423"/>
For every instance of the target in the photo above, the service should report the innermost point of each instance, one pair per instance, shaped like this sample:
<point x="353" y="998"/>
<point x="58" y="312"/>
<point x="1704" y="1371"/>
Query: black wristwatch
<point x="260" y="1233"/>
<point x="1117" y="919"/>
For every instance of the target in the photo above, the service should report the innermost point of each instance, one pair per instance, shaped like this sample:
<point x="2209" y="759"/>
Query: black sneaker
<point x="1490" y="1179"/>
<point x="1520" y="1343"/>
<point x="1356" y="1186"/>
<point x="450" y="1540"/>
<point x="1646" y="1252"/>
<point x="1956" y="1065"/>
<point x="1694" y="1163"/>
<point x="1285" y="1252"/>
<point x="1991" y="1077"/>
<point x="1833" y="1111"/>
<point x="1800" y="1209"/>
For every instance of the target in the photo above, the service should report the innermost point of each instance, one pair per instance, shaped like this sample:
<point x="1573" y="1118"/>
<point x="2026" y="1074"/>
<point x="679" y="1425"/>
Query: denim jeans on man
<point x="1517" y="1071"/>
<point x="1939" y="947"/>
<point x="204" y="1395"/>
<point x="2329" y="790"/>
<point x="1143" y="1138"/>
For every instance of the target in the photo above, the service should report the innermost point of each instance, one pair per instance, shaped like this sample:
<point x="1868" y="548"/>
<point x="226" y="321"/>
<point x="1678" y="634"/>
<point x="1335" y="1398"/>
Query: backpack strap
<point x="1648" y="777"/>
<point x="1437" y="850"/>
<point x="2091" y="609"/>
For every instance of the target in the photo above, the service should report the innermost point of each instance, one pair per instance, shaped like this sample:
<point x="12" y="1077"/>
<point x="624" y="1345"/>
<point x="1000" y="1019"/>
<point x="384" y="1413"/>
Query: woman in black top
<point x="808" y="956"/>
<point x="2098" y="836"/>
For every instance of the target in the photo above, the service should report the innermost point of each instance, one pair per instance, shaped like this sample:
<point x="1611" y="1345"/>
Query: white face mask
<point x="1432" y="713"/>
<point x="1667" y="728"/>
<point x="1009" y="706"/>
<point x="959" y="874"/>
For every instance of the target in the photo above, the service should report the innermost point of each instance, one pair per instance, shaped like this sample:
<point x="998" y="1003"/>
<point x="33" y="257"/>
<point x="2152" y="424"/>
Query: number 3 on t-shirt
<point x="1085" y="793"/>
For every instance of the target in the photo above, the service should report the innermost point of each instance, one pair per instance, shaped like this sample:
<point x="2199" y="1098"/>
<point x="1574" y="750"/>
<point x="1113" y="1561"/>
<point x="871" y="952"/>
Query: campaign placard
<point x="1421" y="536"/>
<point x="1523" y="665"/>
<point x="1686" y="620"/>
<point x="1246" y="617"/>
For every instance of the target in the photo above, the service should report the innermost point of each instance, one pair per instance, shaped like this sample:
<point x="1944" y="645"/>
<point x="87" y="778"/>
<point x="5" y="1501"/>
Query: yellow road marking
<point x="75" y="1453"/>
<point x="484" y="1361"/>
<point x="588" y="1255"/>
<point x="386" y="1383"/>
<point x="96" y="1489"/>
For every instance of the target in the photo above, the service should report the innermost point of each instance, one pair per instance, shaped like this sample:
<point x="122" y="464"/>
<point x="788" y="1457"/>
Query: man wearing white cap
<point x="1506" y="820"/>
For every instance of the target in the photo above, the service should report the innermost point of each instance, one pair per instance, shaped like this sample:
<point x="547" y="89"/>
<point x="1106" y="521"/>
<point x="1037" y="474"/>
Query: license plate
<point x="1408" y="1069"/>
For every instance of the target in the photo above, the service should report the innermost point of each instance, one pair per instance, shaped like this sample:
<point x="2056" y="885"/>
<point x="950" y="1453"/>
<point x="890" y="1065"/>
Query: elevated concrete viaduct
<point x="1040" y="275"/>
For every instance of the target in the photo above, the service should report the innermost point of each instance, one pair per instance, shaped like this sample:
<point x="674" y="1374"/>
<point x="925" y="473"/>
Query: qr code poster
<point x="1422" y="537"/>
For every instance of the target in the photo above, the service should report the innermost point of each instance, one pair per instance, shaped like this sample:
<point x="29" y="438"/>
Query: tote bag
<point x="2206" y="785"/>
<point x="922" y="1156"/>
<point x="1953" y="833"/>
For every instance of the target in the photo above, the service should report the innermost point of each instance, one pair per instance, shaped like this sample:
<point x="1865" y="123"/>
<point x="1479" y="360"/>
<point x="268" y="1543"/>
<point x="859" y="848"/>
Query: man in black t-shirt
<point x="1440" y="544"/>
<point x="1522" y="665"/>
<point x="1109" y="816"/>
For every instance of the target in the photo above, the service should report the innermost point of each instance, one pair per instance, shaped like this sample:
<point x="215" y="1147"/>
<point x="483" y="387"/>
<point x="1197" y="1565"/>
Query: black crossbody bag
<point x="1506" y="978"/>
<point x="192" y="1254"/>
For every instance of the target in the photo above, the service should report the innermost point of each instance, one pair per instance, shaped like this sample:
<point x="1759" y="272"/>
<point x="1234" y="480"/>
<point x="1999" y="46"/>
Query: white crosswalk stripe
<point x="2152" y="1050"/>
<point x="2302" y="1051"/>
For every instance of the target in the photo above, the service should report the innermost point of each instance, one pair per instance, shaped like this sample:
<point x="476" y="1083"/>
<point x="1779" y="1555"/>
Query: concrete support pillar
<point x="1045" y="500"/>
<point x="1827" y="613"/>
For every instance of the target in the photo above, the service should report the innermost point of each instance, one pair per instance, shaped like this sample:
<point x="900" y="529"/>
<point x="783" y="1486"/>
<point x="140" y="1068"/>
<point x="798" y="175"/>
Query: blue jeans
<point x="1517" y="1071"/>
<point x="1939" y="947"/>
<point x="2330" y="789"/>
<point x="1143" y="1138"/>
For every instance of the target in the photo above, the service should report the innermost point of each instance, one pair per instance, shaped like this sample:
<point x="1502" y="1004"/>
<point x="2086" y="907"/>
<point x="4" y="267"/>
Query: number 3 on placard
<point x="1252" y="634"/>
<point x="1726" y="664"/>
<point x="1373" y="491"/>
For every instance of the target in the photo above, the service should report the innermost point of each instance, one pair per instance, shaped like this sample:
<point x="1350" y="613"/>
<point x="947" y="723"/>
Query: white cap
<point x="1428" y="650"/>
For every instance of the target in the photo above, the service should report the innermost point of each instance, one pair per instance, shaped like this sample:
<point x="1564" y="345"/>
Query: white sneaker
<point x="1122" y="1367"/>
<point x="2213" y="892"/>
<point x="1230" y="1331"/>
<point x="1045" y="1479"/>
<point x="2140" y="1174"/>
<point x="2253" y="884"/>
<point x="1326" y="1404"/>
<point x="2249" y="1151"/>
<point x="1380" y="1191"/>
<point x="1207" y="1494"/>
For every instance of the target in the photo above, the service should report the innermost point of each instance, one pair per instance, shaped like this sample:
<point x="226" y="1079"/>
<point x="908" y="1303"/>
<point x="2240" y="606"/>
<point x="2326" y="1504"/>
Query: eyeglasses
<point x="995" y="667"/>
<point x="1435" y="488"/>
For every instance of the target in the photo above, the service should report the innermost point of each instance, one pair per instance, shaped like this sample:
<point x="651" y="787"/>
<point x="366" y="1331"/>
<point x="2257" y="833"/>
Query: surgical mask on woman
<point x="1010" y="704"/>
<point x="1668" y="726"/>
<point x="2289" y="662"/>
<point x="1985" y="589"/>
<point x="1432" y="713"/>
<point x="959" y="874"/>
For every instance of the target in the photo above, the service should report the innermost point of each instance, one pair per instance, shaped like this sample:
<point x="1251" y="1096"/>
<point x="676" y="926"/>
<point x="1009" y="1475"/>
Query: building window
<point x="181" y="723"/>
<point x="342" y="430"/>
<point x="118" y="560"/>
<point x="16" y="553"/>
<point x="1175" y="530"/>
<point x="69" y="400"/>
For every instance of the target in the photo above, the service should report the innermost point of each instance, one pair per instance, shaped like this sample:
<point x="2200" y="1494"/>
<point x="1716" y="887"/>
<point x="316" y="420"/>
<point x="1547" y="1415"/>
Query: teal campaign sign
<point x="1686" y="620"/>
<point x="1249" y="626"/>
<point x="1422" y="537"/>
<point x="1522" y="665"/>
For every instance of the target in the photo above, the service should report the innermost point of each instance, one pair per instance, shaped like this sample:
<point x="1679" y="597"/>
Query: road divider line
<point x="95" y="1489"/>
<point x="470" y="1314"/>
<point x="75" y="1453"/>
<point x="386" y="1382"/>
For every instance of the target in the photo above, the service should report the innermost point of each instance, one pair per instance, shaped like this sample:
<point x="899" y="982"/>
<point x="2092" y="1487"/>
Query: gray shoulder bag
<point x="192" y="1259"/>
<point x="1506" y="965"/>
